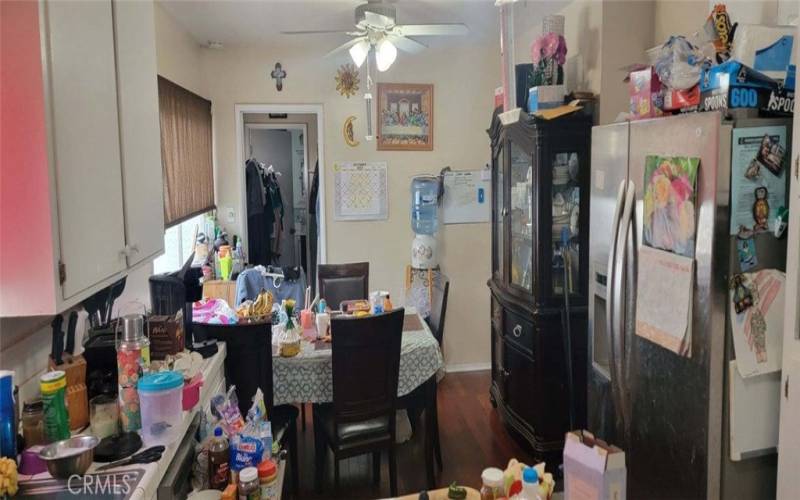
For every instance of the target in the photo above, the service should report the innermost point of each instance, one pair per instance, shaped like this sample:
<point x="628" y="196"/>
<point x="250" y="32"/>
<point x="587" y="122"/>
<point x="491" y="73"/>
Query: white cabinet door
<point x="85" y="141"/>
<point x="140" y="137"/>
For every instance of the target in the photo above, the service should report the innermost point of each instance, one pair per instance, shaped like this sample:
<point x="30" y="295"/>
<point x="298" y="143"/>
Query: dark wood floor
<point x="472" y="437"/>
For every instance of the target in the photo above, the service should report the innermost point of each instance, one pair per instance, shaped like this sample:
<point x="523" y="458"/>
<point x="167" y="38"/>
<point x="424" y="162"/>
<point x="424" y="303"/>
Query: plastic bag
<point x="679" y="63"/>
<point x="227" y="408"/>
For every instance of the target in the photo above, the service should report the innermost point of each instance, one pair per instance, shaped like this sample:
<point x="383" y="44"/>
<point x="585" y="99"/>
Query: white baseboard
<point x="467" y="367"/>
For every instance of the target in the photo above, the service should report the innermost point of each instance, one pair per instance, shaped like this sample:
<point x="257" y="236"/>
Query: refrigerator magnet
<point x="746" y="250"/>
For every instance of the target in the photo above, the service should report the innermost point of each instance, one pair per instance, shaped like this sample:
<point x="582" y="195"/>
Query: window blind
<point x="185" y="152"/>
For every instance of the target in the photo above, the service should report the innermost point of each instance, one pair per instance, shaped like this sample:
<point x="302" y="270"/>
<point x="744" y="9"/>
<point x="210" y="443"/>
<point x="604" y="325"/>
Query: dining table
<point x="308" y="377"/>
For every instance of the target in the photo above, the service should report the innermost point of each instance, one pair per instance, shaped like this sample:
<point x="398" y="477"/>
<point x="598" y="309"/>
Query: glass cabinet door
<point x="565" y="204"/>
<point x="521" y="218"/>
<point x="498" y="259"/>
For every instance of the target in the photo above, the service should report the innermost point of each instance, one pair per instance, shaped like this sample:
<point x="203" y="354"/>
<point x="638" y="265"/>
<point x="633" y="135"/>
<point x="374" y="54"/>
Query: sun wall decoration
<point x="347" y="80"/>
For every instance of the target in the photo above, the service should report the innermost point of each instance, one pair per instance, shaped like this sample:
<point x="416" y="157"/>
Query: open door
<point x="789" y="438"/>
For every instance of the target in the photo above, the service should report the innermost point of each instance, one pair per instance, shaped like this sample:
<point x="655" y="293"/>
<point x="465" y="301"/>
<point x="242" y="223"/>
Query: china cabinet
<point x="540" y="221"/>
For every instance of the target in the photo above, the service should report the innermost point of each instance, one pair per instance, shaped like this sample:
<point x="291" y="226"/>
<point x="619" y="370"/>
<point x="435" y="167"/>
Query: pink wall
<point x="25" y="222"/>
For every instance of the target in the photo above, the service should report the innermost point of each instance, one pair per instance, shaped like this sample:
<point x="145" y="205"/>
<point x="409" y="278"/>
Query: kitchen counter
<point x="150" y="475"/>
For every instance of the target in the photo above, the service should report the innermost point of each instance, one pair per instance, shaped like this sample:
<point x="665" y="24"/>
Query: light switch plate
<point x="230" y="215"/>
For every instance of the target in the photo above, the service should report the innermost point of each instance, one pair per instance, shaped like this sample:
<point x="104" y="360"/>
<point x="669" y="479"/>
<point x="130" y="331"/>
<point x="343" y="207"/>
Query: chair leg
<point x="320" y="454"/>
<point x="303" y="416"/>
<point x="437" y="446"/>
<point x="429" y="437"/>
<point x="293" y="459"/>
<point x="393" y="471"/>
<point x="376" y="468"/>
<point x="335" y="473"/>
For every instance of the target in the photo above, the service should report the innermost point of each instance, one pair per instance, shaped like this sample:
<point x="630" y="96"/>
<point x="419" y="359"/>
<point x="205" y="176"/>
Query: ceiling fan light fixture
<point x="385" y="55"/>
<point x="359" y="52"/>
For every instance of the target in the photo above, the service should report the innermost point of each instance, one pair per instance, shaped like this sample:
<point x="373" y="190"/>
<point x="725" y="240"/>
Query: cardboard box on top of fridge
<point x="545" y="97"/>
<point x="781" y="100"/>
<point x="593" y="469"/>
<point x="682" y="99"/>
<point x="768" y="49"/>
<point x="734" y="85"/>
<point x="646" y="98"/>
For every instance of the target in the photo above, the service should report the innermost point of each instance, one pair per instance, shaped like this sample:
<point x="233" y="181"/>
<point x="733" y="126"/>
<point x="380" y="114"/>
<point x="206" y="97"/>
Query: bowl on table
<point x="69" y="457"/>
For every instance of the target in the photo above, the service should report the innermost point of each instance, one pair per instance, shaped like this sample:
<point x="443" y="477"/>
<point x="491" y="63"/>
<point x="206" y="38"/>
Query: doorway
<point x="288" y="138"/>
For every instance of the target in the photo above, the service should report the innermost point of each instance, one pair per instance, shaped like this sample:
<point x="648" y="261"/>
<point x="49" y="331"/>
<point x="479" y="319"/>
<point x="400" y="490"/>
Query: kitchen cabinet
<point x="82" y="199"/>
<point x="540" y="221"/>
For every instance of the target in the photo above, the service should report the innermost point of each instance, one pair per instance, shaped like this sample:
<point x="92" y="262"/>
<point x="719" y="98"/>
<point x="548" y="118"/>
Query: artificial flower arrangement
<point x="548" y="54"/>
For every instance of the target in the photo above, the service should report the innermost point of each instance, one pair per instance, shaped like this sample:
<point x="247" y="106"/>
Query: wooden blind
<point x="185" y="152"/>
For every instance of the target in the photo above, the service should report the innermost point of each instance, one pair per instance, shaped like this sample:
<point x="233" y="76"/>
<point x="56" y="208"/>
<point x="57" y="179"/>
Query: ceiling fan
<point x="376" y="29"/>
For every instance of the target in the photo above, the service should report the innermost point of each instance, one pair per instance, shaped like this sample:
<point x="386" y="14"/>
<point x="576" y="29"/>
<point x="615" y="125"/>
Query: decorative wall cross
<point x="278" y="74"/>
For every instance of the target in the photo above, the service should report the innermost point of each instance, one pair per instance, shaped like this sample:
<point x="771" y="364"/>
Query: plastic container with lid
<point x="160" y="397"/>
<point x="268" y="480"/>
<point x="492" y="479"/>
<point x="249" y="489"/>
<point x="425" y="204"/>
<point x="32" y="422"/>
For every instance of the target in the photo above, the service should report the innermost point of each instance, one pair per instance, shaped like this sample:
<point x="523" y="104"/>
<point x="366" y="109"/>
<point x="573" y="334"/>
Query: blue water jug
<point x="424" y="204"/>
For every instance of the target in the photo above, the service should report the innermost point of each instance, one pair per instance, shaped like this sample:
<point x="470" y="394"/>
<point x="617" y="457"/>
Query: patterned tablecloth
<point x="308" y="377"/>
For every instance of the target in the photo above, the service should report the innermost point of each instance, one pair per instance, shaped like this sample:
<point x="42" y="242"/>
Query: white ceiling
<point x="251" y="22"/>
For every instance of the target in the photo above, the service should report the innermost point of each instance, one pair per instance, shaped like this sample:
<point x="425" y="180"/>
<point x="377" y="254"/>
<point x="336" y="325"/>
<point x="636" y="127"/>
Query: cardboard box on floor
<point x="593" y="470"/>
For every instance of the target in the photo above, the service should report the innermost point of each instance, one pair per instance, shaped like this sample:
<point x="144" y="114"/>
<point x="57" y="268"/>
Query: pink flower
<point x="681" y="188"/>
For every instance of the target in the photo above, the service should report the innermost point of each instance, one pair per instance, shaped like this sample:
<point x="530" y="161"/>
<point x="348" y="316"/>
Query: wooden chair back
<point x="340" y="282"/>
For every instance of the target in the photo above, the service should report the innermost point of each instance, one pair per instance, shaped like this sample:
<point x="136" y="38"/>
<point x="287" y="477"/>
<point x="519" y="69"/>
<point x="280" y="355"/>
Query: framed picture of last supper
<point x="405" y="117"/>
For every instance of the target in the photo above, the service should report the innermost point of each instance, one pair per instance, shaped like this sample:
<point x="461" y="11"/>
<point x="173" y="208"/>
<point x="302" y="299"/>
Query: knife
<point x="58" y="339"/>
<point x="71" y="324"/>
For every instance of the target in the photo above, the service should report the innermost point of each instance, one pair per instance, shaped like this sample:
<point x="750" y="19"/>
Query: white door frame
<point x="315" y="109"/>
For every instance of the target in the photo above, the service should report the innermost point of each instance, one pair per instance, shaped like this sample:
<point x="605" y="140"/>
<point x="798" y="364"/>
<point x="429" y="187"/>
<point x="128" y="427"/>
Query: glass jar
<point x="268" y="480"/>
<point x="492" y="488"/>
<point x="32" y="422"/>
<point x="249" y="489"/>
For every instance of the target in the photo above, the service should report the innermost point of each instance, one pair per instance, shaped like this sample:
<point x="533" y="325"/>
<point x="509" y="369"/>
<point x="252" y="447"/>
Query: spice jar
<point x="268" y="480"/>
<point x="248" y="484"/>
<point x="104" y="416"/>
<point x="492" y="479"/>
<point x="33" y="422"/>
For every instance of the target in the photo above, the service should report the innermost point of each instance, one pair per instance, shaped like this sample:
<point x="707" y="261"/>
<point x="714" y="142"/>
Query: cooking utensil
<point x="93" y="304"/>
<point x="80" y="332"/>
<point x="114" y="291"/>
<point x="69" y="457"/>
<point x="152" y="454"/>
<point x="58" y="339"/>
<point x="72" y="323"/>
<point x="114" y="448"/>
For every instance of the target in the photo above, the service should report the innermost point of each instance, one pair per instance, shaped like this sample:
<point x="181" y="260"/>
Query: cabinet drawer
<point x="518" y="331"/>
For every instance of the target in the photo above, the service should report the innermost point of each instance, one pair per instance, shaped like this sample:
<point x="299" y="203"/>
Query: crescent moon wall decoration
<point x="349" y="133"/>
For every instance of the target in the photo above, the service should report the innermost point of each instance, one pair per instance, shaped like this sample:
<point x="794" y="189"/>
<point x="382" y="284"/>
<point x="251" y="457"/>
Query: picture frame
<point x="405" y="117"/>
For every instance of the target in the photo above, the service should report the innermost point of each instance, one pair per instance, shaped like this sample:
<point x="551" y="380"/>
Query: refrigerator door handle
<point x="618" y="310"/>
<point x="611" y="292"/>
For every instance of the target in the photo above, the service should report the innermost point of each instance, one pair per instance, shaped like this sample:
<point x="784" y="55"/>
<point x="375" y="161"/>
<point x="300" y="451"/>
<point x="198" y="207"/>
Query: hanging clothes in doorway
<point x="273" y="207"/>
<point x="258" y="219"/>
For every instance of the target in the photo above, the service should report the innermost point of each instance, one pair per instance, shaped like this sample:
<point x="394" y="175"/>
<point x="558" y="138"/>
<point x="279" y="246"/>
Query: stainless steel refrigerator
<point x="667" y="411"/>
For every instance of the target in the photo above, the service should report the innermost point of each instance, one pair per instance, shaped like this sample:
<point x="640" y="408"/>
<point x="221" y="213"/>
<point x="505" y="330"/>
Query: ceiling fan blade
<point x="314" y="32"/>
<point x="431" y="30"/>
<point x="345" y="46"/>
<point x="407" y="44"/>
<point x="378" y="20"/>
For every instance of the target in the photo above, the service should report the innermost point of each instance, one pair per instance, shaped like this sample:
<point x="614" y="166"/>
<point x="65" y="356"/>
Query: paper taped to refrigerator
<point x="664" y="299"/>
<point x="758" y="177"/>
<point x="758" y="329"/>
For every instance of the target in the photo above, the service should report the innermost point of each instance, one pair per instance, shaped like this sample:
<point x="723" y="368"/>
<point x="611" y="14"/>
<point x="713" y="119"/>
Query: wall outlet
<point x="230" y="215"/>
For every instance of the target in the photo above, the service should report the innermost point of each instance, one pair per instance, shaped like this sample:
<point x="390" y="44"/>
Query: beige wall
<point x="178" y="54"/>
<point x="463" y="77"/>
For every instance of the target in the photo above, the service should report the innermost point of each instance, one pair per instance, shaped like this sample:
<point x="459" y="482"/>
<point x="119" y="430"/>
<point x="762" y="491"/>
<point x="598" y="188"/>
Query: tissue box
<point x="545" y="97"/>
<point x="644" y="88"/>
<point x="593" y="469"/>
<point x="734" y="85"/>
<point x="781" y="100"/>
<point x="768" y="49"/>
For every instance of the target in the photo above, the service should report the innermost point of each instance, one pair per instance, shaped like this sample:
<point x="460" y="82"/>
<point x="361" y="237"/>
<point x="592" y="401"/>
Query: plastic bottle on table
<point x="218" y="456"/>
<point x="530" y="485"/>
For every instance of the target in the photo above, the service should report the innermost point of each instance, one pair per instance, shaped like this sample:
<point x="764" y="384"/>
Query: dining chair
<point x="423" y="398"/>
<point x="340" y="282"/>
<point x="361" y="419"/>
<point x="248" y="366"/>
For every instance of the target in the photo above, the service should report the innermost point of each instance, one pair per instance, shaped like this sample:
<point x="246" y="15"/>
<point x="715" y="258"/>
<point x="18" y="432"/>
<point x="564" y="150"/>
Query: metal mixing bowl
<point x="70" y="456"/>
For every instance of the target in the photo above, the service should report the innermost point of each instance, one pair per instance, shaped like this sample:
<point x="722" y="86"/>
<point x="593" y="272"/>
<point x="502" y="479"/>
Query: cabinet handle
<point x="517" y="331"/>
<point x="133" y="249"/>
<point x="506" y="373"/>
<point x="504" y="212"/>
<point x="123" y="254"/>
